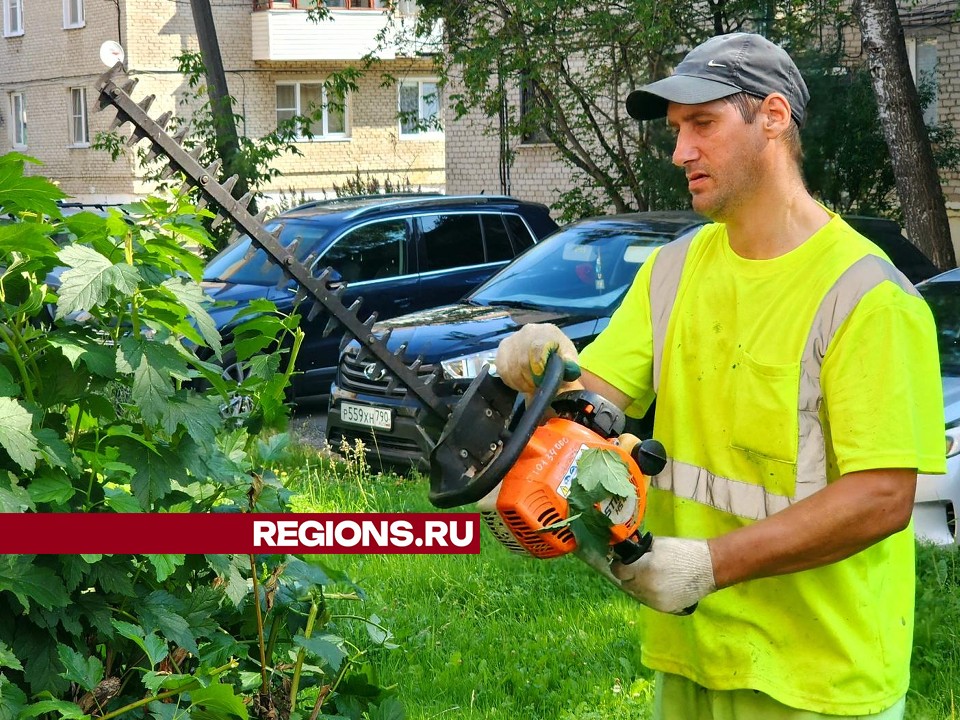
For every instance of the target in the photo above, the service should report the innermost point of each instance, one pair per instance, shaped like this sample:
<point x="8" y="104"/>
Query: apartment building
<point x="276" y="58"/>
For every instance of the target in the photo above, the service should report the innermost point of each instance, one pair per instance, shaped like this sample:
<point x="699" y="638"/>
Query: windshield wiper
<point x="519" y="304"/>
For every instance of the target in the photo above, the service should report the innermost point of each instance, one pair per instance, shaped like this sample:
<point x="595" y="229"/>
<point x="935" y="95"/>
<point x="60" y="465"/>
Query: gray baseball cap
<point x="724" y="65"/>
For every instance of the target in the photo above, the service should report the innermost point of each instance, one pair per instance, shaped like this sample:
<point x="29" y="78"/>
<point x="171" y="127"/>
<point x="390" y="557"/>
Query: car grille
<point x="351" y="376"/>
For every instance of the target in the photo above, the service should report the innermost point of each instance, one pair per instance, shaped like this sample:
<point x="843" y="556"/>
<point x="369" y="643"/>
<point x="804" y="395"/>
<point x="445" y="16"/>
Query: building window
<point x="317" y="111"/>
<point x="73" y="13"/>
<point x="533" y="130"/>
<point x="18" y="117"/>
<point x="12" y="17"/>
<point x="419" y="108"/>
<point x="353" y="4"/>
<point x="79" y="131"/>
<point x="922" y="55"/>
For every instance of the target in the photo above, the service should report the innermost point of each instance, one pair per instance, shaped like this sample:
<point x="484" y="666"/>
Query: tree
<point x="917" y="178"/>
<point x="576" y="64"/>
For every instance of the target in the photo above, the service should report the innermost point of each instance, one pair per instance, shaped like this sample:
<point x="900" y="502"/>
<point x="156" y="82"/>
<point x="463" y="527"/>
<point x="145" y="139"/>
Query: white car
<point x="938" y="496"/>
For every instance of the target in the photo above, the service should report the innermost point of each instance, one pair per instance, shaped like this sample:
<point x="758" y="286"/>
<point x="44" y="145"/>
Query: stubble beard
<point x="733" y="190"/>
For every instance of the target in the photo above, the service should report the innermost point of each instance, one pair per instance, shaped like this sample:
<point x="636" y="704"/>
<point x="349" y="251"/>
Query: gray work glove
<point x="522" y="357"/>
<point x="675" y="574"/>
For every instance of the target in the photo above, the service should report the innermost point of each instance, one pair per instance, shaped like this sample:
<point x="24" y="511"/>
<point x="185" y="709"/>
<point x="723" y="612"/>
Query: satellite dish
<point x="111" y="53"/>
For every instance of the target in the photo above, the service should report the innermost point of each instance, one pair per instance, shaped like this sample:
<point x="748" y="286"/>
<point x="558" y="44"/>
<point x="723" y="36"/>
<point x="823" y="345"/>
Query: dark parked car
<point x="902" y="253"/>
<point x="575" y="279"/>
<point x="400" y="254"/>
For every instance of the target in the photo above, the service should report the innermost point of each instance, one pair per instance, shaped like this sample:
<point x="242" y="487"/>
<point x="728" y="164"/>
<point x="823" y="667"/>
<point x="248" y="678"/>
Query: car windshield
<point x="944" y="300"/>
<point x="585" y="268"/>
<point x="231" y="264"/>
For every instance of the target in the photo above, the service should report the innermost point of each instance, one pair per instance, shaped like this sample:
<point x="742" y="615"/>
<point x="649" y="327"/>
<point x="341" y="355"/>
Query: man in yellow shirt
<point x="798" y="395"/>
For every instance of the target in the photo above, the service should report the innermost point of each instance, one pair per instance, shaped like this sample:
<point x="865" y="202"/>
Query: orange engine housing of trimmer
<point x="533" y="494"/>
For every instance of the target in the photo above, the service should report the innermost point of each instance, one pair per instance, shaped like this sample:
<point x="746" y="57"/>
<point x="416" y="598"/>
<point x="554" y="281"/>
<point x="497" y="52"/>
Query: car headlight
<point x="468" y="366"/>
<point x="953" y="441"/>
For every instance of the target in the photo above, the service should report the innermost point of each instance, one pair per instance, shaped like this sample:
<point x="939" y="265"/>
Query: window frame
<point x="424" y="257"/>
<point x="81" y="21"/>
<point x="528" y="105"/>
<point x="18" y="124"/>
<point x="432" y="133"/>
<point x="406" y="260"/>
<point x="7" y="6"/>
<point x="378" y="5"/>
<point x="324" y="135"/>
<point x="931" y="114"/>
<point x="84" y="117"/>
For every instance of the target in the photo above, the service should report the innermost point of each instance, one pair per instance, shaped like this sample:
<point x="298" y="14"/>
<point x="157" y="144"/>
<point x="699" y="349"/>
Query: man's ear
<point x="775" y="114"/>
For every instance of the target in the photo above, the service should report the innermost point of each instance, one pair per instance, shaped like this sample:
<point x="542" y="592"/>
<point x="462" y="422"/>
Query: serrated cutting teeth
<point x="164" y="119"/>
<point x="146" y="103"/>
<point x="315" y="310"/>
<point x="119" y="120"/>
<point x="331" y="325"/>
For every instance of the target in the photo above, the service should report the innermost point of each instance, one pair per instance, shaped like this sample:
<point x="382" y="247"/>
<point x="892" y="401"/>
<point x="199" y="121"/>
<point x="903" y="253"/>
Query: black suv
<point x="399" y="253"/>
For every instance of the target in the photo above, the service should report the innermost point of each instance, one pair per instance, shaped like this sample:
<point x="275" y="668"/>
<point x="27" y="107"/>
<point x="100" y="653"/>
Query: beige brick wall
<point x="47" y="61"/>
<point x="44" y="63"/>
<point x="537" y="173"/>
<point x="375" y="146"/>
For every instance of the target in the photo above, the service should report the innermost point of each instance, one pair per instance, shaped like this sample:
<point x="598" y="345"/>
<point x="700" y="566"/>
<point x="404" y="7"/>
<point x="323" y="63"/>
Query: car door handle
<point x="403" y="302"/>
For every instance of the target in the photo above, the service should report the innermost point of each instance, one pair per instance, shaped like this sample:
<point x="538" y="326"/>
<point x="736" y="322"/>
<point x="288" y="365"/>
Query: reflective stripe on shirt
<point x="744" y="499"/>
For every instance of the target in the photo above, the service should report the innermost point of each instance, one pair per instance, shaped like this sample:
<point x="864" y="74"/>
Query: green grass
<point x="503" y="636"/>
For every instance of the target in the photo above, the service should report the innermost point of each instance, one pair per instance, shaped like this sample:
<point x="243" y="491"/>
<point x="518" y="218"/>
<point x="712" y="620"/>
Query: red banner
<point x="241" y="533"/>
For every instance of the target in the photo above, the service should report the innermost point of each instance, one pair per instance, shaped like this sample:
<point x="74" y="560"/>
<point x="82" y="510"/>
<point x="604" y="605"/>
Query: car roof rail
<point x="439" y="200"/>
<point x="347" y="199"/>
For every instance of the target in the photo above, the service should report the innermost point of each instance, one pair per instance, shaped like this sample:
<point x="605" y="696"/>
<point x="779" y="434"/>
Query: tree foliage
<point x="578" y="63"/>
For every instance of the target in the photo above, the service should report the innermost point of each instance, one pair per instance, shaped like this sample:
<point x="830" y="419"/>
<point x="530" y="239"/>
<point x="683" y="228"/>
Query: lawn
<point x="499" y="636"/>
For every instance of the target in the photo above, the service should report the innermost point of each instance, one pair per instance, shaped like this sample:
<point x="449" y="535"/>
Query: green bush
<point x="101" y="415"/>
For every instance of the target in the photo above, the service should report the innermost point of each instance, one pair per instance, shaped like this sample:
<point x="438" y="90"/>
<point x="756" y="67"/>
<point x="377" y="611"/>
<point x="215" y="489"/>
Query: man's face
<point x="719" y="153"/>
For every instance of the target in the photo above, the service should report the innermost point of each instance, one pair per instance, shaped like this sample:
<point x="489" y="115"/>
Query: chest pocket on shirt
<point x="765" y="419"/>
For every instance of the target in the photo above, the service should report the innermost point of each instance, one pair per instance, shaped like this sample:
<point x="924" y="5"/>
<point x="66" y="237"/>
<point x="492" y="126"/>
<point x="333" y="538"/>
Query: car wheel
<point x="237" y="405"/>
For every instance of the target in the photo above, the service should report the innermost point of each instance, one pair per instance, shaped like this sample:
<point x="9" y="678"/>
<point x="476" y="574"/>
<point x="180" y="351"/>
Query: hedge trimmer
<point x="545" y="489"/>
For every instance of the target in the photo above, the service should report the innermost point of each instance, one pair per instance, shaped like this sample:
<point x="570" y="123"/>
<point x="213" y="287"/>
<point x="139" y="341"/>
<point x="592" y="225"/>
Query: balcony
<point x="285" y="31"/>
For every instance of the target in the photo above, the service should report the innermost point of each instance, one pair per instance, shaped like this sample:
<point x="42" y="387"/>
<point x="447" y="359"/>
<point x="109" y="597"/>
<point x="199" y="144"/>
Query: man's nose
<point x="685" y="149"/>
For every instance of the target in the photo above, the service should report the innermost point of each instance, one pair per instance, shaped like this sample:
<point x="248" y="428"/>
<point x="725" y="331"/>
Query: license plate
<point x="373" y="417"/>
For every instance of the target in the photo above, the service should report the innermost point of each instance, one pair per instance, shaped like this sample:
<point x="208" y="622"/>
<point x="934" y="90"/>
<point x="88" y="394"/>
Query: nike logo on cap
<point x="714" y="63"/>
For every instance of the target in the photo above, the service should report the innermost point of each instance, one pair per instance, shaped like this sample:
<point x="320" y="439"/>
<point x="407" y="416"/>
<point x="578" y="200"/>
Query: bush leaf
<point x="216" y="702"/>
<point x="16" y="435"/>
<point x="85" y="672"/>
